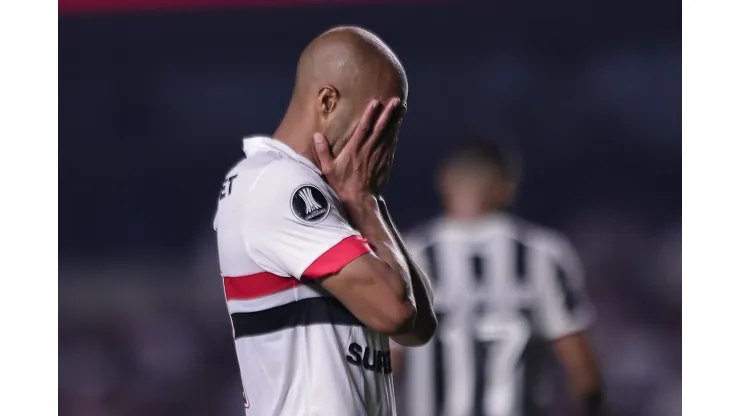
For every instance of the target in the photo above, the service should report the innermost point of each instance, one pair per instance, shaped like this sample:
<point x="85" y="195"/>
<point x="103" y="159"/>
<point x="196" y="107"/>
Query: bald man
<point x="315" y="275"/>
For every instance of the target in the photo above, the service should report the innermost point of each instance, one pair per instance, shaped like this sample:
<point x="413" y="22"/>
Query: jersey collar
<point x="258" y="144"/>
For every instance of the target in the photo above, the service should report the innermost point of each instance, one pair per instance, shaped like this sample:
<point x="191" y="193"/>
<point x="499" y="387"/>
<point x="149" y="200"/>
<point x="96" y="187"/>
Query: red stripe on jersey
<point x="256" y="285"/>
<point x="263" y="284"/>
<point x="334" y="259"/>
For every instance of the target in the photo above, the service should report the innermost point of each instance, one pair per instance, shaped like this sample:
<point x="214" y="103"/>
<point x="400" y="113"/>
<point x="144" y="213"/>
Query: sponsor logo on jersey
<point x="226" y="187"/>
<point x="309" y="204"/>
<point x="368" y="358"/>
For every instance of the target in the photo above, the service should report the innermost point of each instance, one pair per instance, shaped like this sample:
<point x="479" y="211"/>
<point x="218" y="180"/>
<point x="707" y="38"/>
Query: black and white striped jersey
<point x="503" y="288"/>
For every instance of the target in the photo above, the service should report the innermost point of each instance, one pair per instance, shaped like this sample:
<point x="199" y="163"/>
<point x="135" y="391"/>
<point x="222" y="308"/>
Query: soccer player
<point x="504" y="289"/>
<point x="315" y="275"/>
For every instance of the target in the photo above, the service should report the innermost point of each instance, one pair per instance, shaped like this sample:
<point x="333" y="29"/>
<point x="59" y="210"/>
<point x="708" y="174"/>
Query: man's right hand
<point x="359" y="170"/>
<point x="374" y="287"/>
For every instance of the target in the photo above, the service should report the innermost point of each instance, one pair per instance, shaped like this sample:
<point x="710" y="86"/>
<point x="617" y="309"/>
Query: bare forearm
<point x="426" y="321"/>
<point x="367" y="217"/>
<point x="579" y="361"/>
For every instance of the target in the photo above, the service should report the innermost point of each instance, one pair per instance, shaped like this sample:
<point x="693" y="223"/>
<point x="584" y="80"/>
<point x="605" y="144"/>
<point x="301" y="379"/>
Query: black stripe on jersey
<point x="532" y="361"/>
<point x="481" y="375"/>
<point x="440" y="388"/>
<point x="478" y="268"/>
<point x="438" y="359"/>
<point x="311" y="311"/>
<point x="569" y="295"/>
<point x="521" y="261"/>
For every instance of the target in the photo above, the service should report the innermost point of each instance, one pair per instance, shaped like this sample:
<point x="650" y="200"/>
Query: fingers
<point x="363" y="128"/>
<point x="386" y="162"/>
<point x="386" y="116"/>
<point x="321" y="146"/>
<point x="373" y="142"/>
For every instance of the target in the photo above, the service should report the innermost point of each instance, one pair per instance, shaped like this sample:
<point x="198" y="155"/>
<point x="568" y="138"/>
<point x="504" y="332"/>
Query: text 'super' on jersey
<point x="504" y="288"/>
<point x="300" y="351"/>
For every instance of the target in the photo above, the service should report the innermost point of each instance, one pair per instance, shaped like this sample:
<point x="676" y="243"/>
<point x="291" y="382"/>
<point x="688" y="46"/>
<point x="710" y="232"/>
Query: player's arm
<point x="575" y="354"/>
<point x="425" y="324"/>
<point x="375" y="287"/>
<point x="565" y="315"/>
<point x="319" y="246"/>
<point x="395" y="291"/>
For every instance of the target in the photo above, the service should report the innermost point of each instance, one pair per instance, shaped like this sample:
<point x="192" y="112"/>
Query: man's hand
<point x="361" y="168"/>
<point x="375" y="288"/>
<point x="356" y="175"/>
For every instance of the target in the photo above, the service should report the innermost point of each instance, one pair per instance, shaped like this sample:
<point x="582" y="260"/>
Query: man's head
<point x="477" y="178"/>
<point x="338" y="74"/>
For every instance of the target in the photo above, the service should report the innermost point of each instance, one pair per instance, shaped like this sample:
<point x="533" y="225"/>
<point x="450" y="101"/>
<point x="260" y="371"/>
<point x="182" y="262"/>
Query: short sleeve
<point x="563" y="305"/>
<point x="293" y="224"/>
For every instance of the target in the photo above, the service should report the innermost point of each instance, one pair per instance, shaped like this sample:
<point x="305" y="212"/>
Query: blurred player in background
<point x="504" y="289"/>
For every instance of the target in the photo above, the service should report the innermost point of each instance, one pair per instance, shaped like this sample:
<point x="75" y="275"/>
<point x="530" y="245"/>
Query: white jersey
<point x="503" y="288"/>
<point x="300" y="351"/>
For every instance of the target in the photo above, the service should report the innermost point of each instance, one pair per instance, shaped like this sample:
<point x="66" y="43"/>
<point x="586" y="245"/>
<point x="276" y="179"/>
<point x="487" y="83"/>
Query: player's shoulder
<point x="425" y="233"/>
<point x="281" y="186"/>
<point x="271" y="174"/>
<point x="542" y="237"/>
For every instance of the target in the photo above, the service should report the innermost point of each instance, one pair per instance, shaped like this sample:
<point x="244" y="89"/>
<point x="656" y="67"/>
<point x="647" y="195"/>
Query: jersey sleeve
<point x="562" y="303"/>
<point x="293" y="225"/>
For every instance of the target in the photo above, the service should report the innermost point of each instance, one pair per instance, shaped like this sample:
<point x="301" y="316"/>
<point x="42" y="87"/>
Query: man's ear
<point x="328" y="98"/>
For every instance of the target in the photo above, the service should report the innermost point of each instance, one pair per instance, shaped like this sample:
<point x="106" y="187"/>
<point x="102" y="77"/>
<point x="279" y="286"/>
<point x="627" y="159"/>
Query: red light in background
<point x="88" y="6"/>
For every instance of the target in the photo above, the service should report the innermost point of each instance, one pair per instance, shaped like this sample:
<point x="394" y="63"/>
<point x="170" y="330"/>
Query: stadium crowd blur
<point x="153" y="106"/>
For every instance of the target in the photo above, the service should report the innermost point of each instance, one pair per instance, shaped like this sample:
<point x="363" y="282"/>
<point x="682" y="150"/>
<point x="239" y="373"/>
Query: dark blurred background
<point x="154" y="100"/>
